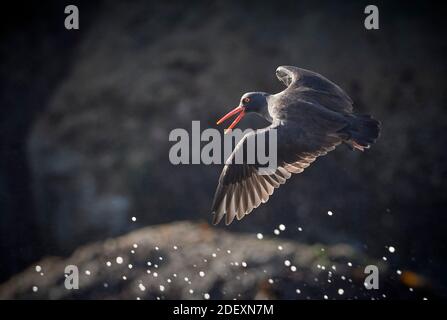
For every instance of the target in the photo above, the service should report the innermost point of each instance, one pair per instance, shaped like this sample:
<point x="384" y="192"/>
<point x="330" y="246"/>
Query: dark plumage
<point x="312" y="116"/>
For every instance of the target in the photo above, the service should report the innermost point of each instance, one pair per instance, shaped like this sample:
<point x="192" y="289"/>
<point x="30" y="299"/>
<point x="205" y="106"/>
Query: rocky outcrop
<point x="195" y="261"/>
<point x="99" y="152"/>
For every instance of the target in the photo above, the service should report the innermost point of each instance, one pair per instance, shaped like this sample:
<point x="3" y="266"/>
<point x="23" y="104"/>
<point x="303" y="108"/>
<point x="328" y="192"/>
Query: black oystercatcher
<point x="312" y="116"/>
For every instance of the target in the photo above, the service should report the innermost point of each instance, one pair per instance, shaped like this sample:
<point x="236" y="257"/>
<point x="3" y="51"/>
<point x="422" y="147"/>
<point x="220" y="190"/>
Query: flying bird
<point x="312" y="116"/>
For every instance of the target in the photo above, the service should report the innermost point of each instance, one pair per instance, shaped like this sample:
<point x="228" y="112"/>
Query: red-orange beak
<point x="237" y="110"/>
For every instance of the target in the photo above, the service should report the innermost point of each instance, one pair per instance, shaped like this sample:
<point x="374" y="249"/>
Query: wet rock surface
<point x="196" y="261"/>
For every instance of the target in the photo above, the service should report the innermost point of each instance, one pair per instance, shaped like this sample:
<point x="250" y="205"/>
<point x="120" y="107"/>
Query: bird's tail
<point x="361" y="132"/>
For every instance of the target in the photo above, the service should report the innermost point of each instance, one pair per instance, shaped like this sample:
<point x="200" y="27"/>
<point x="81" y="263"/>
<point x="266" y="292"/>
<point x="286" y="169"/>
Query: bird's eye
<point x="246" y="100"/>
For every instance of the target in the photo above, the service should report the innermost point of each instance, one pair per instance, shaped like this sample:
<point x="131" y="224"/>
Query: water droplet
<point x="119" y="260"/>
<point x="142" y="287"/>
<point x="330" y="213"/>
<point x="206" y="296"/>
<point x="35" y="288"/>
<point x="300" y="229"/>
<point x="280" y="248"/>
<point x="202" y="274"/>
<point x="341" y="291"/>
<point x="287" y="263"/>
<point x="276" y="231"/>
<point x="293" y="268"/>
<point x="298" y="291"/>
<point x="135" y="245"/>
<point x="391" y="249"/>
<point x="38" y="268"/>
<point x="282" y="227"/>
<point x="87" y="272"/>
<point x="134" y="219"/>
<point x="259" y="236"/>
<point x="130" y="266"/>
<point x="244" y="264"/>
<point x="162" y="288"/>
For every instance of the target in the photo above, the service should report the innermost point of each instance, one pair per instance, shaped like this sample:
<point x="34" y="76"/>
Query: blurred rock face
<point x="193" y="261"/>
<point x="99" y="153"/>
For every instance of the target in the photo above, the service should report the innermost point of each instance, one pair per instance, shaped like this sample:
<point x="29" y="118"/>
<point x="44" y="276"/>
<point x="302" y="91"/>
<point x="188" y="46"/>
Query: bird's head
<point x="250" y="102"/>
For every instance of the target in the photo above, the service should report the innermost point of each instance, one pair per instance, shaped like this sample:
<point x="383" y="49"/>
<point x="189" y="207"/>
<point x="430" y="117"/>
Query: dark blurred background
<point x="86" y="114"/>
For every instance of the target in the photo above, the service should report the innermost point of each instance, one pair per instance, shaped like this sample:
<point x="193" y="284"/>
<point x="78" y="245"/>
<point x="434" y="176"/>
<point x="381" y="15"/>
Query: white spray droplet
<point x="119" y="260"/>
<point x="259" y="236"/>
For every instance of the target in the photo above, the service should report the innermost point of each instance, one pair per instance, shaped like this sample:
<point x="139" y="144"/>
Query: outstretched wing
<point x="313" y="88"/>
<point x="242" y="188"/>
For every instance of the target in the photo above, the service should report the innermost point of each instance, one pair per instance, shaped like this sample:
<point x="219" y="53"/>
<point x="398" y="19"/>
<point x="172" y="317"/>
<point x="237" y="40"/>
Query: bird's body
<point x="311" y="117"/>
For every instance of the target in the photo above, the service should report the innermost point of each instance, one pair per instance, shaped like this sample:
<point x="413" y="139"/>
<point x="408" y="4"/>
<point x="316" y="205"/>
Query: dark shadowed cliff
<point x="85" y="136"/>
